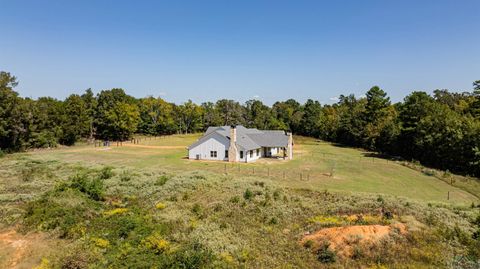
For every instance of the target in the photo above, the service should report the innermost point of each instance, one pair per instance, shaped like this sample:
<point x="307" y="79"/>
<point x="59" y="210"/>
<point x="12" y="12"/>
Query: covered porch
<point x="274" y="152"/>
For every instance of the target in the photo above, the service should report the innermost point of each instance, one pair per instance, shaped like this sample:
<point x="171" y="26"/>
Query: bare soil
<point x="22" y="251"/>
<point x="342" y="240"/>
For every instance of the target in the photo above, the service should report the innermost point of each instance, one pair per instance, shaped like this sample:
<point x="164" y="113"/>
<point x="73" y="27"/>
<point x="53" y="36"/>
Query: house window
<point x="226" y="153"/>
<point x="251" y="153"/>
<point x="213" y="154"/>
<point x="258" y="152"/>
<point x="241" y="154"/>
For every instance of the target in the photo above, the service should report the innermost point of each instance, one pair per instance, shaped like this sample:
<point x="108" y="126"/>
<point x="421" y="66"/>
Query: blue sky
<point x="270" y="50"/>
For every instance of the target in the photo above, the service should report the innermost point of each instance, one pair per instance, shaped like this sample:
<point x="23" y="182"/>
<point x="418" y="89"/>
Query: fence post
<point x="268" y="171"/>
<point x="300" y="176"/>
<point x="253" y="170"/>
<point x="225" y="168"/>
<point x="283" y="174"/>
<point x="448" y="195"/>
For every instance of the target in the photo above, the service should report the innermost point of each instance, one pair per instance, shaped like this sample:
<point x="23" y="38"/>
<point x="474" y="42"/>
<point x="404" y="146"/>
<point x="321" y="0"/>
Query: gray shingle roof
<point x="249" y="138"/>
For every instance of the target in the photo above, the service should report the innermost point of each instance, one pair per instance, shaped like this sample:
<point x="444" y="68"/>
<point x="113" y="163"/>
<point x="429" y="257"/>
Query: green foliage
<point x="440" y="131"/>
<point x="125" y="176"/>
<point x="116" y="115"/>
<point x="61" y="209"/>
<point x="248" y="194"/>
<point x="93" y="188"/>
<point x="161" y="180"/>
<point x="197" y="209"/>
<point x="157" y="116"/>
<point x="325" y="255"/>
<point x="235" y="199"/>
<point x="207" y="230"/>
<point x="106" y="172"/>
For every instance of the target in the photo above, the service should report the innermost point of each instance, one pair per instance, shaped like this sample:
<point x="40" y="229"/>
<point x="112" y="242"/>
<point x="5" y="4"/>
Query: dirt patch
<point x="22" y="251"/>
<point x="152" y="147"/>
<point x="342" y="240"/>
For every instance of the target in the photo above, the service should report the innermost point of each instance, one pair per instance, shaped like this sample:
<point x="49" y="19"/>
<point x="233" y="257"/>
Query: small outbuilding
<point x="240" y="144"/>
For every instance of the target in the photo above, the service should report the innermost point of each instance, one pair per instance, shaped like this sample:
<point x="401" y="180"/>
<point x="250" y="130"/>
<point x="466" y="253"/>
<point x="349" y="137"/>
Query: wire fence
<point x="273" y="172"/>
<point x="368" y="161"/>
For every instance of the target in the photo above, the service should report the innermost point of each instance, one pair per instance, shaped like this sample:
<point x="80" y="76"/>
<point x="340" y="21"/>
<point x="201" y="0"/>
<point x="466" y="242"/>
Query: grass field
<point x="145" y="205"/>
<point x="313" y="163"/>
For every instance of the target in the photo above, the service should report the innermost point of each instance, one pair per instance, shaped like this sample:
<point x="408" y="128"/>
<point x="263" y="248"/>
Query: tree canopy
<point x="440" y="130"/>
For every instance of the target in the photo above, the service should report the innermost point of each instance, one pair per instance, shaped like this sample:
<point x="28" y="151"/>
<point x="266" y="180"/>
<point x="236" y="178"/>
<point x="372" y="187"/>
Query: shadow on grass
<point x="382" y="156"/>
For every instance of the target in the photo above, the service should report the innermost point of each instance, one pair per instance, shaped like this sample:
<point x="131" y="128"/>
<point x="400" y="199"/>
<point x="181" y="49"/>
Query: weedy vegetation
<point x="109" y="215"/>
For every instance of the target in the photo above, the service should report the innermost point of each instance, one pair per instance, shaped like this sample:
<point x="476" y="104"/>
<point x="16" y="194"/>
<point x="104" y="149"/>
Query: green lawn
<point x="313" y="163"/>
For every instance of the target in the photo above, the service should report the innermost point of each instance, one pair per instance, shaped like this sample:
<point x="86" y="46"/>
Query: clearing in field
<point x="317" y="165"/>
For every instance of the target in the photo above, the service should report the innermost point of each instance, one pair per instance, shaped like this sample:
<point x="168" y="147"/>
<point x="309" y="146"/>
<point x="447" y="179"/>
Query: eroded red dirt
<point x="22" y="251"/>
<point x="343" y="239"/>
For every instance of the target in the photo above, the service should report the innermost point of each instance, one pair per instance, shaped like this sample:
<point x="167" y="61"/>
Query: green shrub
<point x="161" y="180"/>
<point x="77" y="260"/>
<point x="476" y="234"/>
<point x="388" y="215"/>
<point x="218" y="208"/>
<point x="235" y="199"/>
<point x="308" y="244"/>
<point x="357" y="253"/>
<point x="248" y="194"/>
<point x="276" y="195"/>
<point x="125" y="176"/>
<point x="197" y="209"/>
<point x="106" y="172"/>
<point x="2" y="153"/>
<point x="61" y="210"/>
<point x="94" y="188"/>
<point x="201" y="177"/>
<point x="259" y="183"/>
<point x="325" y="255"/>
<point x="476" y="221"/>
<point x="273" y="221"/>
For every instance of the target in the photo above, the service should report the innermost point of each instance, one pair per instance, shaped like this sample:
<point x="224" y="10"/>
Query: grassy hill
<point x="145" y="205"/>
<point x="317" y="166"/>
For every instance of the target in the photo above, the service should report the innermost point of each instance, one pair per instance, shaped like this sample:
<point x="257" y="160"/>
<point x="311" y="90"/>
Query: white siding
<point x="216" y="143"/>
<point x="254" y="156"/>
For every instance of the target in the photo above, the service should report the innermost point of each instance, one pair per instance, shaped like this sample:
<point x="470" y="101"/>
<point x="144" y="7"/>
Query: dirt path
<point x="22" y="251"/>
<point x="151" y="147"/>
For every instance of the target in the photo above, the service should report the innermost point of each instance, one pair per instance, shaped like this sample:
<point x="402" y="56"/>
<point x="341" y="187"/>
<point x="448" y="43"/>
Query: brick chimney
<point x="232" y="150"/>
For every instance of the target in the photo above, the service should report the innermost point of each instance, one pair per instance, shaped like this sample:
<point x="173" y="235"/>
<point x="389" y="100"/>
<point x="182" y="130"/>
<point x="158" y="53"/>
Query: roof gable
<point x="248" y="138"/>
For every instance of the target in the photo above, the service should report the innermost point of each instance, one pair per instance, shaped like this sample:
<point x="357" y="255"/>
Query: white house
<point x="240" y="144"/>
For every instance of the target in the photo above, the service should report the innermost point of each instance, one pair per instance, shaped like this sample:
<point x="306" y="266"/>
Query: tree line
<point x="441" y="130"/>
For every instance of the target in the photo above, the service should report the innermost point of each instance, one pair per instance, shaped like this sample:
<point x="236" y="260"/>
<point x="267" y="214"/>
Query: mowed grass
<point x="317" y="165"/>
